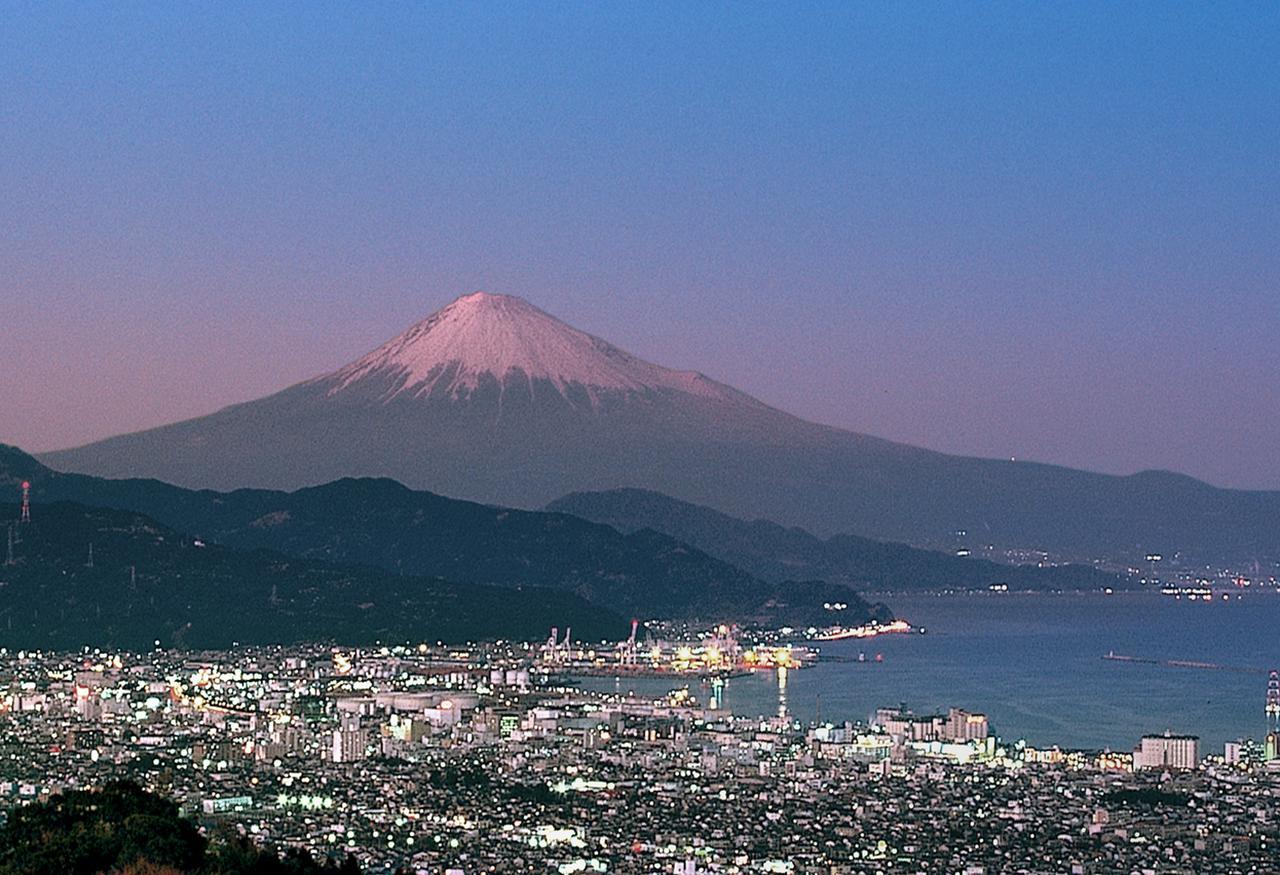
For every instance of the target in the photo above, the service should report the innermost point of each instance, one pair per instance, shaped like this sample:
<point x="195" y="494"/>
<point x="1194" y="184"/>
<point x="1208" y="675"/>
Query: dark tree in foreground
<point x="85" y="832"/>
<point x="123" y="828"/>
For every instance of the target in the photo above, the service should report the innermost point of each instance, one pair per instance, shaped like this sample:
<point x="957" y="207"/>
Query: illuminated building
<point x="958" y="726"/>
<point x="909" y="726"/>
<point x="965" y="726"/>
<point x="1167" y="751"/>
<point x="349" y="745"/>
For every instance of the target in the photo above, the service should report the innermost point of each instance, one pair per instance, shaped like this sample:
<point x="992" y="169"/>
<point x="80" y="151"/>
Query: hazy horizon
<point x="1042" y="233"/>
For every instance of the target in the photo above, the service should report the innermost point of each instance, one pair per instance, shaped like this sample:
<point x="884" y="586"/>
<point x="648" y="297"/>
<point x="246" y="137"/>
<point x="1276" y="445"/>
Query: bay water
<point x="1033" y="663"/>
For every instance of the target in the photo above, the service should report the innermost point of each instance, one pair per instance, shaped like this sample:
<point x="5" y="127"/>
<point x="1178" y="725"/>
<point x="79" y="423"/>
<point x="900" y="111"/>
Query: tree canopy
<point x="122" y="828"/>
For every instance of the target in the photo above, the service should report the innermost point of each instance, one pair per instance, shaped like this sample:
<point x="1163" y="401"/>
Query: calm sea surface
<point x="1033" y="664"/>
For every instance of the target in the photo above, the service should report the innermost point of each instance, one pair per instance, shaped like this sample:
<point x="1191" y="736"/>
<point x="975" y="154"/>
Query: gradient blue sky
<point x="1047" y="231"/>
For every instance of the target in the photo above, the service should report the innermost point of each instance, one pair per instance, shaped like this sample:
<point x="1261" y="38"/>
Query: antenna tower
<point x="25" y="516"/>
<point x="1273" y="702"/>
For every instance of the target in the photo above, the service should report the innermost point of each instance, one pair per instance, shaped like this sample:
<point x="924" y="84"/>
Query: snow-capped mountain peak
<point x="449" y="353"/>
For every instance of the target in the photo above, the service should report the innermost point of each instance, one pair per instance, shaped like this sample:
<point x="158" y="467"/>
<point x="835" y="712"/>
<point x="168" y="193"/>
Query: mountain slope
<point x="380" y="523"/>
<point x="493" y="400"/>
<point x="773" y="552"/>
<point x="145" y="582"/>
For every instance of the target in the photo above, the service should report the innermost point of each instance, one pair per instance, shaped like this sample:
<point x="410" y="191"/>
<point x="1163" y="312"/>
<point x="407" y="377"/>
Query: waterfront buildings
<point x="957" y="725"/>
<point x="477" y="759"/>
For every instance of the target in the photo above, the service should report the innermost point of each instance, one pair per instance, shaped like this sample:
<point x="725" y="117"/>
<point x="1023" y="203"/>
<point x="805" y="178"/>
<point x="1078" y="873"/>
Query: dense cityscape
<point x="563" y="438"/>
<point x="487" y="758"/>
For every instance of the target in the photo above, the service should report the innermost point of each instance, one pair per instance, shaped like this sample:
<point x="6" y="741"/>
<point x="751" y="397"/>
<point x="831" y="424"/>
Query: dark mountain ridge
<point x="774" y="552"/>
<point x="113" y="578"/>
<point x="380" y="523"/>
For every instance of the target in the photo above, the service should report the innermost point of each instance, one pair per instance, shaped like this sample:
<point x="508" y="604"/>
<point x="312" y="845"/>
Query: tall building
<point x="959" y="725"/>
<point x="1167" y="751"/>
<point x="349" y="745"/>
<point x="905" y="725"/>
<point x="965" y="726"/>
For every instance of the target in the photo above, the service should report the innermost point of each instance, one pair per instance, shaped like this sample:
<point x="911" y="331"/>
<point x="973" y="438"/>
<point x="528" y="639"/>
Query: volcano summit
<point x="494" y="400"/>
<point x="483" y="339"/>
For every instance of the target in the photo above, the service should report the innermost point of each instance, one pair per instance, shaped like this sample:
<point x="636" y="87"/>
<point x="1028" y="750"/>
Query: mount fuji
<point x="483" y="339"/>
<point x="494" y="400"/>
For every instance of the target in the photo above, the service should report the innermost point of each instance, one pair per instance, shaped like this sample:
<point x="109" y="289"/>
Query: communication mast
<point x="628" y="648"/>
<point x="1271" y="747"/>
<point x="25" y="516"/>
<point x="1273" y="703"/>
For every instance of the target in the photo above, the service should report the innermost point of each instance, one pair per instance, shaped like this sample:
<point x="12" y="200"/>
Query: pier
<point x="1112" y="656"/>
